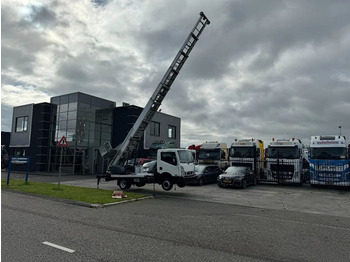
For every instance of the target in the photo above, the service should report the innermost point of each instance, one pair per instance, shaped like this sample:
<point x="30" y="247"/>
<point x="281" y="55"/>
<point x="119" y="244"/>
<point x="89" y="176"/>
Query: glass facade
<point x="86" y="122"/>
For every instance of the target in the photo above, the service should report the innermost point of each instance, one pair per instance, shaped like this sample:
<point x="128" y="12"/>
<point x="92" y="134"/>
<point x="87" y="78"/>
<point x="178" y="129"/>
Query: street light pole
<point x="340" y="130"/>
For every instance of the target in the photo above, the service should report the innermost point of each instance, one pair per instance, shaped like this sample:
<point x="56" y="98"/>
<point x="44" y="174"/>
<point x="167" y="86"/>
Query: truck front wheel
<point x="124" y="183"/>
<point x="181" y="183"/>
<point x="167" y="184"/>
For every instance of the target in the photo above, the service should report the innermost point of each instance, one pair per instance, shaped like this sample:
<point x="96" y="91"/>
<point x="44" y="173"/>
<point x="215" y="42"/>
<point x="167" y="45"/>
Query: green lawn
<point x="82" y="194"/>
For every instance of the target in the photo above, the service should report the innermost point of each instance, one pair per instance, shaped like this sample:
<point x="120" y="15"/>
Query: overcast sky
<point x="261" y="69"/>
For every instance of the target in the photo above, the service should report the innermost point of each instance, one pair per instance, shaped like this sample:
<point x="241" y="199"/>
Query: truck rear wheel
<point x="167" y="184"/>
<point x="124" y="183"/>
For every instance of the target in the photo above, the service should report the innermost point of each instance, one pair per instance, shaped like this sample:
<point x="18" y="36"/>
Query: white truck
<point x="172" y="166"/>
<point x="284" y="161"/>
<point x="248" y="153"/>
<point x="176" y="173"/>
<point x="213" y="153"/>
<point x="329" y="161"/>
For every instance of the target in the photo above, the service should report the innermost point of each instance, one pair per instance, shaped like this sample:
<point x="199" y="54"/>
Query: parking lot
<point x="271" y="196"/>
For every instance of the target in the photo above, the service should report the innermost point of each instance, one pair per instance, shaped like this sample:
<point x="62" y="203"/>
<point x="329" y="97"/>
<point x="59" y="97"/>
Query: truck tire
<point x="124" y="183"/>
<point x="181" y="183"/>
<point x="167" y="184"/>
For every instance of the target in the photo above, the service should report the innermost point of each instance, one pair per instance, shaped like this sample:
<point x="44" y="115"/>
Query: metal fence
<point x="330" y="172"/>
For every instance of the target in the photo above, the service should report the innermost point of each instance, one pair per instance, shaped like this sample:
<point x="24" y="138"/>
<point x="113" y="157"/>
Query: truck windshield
<point x="185" y="156"/>
<point x="328" y="153"/>
<point x="242" y="152"/>
<point x="209" y="154"/>
<point x="283" y="152"/>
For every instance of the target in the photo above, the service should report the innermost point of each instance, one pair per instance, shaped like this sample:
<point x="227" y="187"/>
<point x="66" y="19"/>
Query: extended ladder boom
<point x="134" y="136"/>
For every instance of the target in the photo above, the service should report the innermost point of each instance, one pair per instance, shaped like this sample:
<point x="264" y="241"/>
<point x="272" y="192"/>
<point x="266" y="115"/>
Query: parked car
<point x="205" y="174"/>
<point x="149" y="167"/>
<point x="237" y="176"/>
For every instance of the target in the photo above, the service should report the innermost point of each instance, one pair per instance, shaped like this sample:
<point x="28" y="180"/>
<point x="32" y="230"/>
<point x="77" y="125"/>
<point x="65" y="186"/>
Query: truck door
<point x="168" y="163"/>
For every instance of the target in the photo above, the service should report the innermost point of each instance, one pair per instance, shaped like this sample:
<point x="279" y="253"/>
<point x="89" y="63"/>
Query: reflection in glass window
<point x="64" y="108"/>
<point x="71" y="124"/>
<point x="22" y="124"/>
<point x="171" y="132"/>
<point x="62" y="116"/>
<point x="60" y="134"/>
<point x="72" y="115"/>
<point x="73" y="106"/>
<point x="70" y="135"/>
<point x="62" y="125"/>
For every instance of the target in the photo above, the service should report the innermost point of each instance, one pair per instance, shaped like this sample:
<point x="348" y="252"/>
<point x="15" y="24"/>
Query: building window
<point x="172" y="132"/>
<point x="155" y="128"/>
<point x="21" y="124"/>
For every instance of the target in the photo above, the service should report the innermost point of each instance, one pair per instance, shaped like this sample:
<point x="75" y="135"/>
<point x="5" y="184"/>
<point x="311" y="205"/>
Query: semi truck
<point x="248" y="153"/>
<point x="172" y="166"/>
<point x="329" y="161"/>
<point x="284" y="161"/>
<point x="213" y="153"/>
<point x="115" y="168"/>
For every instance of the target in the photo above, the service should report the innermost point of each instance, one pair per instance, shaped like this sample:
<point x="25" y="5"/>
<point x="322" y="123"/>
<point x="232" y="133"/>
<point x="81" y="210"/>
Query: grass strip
<point x="82" y="194"/>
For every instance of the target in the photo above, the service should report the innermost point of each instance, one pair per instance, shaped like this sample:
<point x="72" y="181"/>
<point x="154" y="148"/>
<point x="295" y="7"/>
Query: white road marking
<point x="59" y="247"/>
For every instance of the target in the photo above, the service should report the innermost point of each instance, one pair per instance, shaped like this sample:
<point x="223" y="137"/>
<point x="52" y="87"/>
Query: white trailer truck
<point x="213" y="153"/>
<point x="284" y="161"/>
<point x="249" y="153"/>
<point x="329" y="161"/>
<point x="172" y="166"/>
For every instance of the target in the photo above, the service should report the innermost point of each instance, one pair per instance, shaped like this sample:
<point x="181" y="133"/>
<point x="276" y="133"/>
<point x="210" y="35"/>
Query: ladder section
<point x="131" y="141"/>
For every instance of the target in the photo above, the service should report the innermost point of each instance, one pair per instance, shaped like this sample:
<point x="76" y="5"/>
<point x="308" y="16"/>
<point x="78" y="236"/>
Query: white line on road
<point x="59" y="247"/>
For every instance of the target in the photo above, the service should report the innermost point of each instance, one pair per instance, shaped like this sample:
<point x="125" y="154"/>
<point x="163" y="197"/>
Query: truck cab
<point x="329" y="161"/>
<point x="214" y="153"/>
<point x="284" y="161"/>
<point x="248" y="153"/>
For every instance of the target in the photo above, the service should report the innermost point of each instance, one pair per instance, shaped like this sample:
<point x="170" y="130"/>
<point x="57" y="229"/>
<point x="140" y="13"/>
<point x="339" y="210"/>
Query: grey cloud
<point x="260" y="69"/>
<point x="43" y="16"/>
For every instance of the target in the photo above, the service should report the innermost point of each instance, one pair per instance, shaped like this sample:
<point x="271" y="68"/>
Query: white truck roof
<point x="328" y="141"/>
<point x="286" y="142"/>
<point x="245" y="142"/>
<point x="213" y="145"/>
